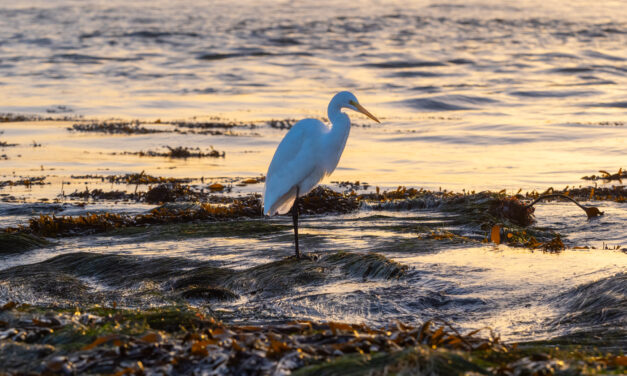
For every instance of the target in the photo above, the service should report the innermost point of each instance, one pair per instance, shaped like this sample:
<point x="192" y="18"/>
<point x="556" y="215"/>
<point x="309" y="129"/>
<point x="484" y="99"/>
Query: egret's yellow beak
<point x="361" y="109"/>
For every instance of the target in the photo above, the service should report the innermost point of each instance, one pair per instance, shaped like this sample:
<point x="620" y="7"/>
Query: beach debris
<point x="4" y="144"/>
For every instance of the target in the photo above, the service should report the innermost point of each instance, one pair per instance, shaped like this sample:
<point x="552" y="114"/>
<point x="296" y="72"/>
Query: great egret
<point x="308" y="152"/>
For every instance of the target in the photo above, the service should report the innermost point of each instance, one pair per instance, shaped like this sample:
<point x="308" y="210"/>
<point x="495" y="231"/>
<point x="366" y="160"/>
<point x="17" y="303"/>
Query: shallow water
<point x="472" y="96"/>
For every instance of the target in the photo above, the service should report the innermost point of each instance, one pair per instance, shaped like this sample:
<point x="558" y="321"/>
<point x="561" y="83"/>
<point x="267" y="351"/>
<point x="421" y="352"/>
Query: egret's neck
<point x="340" y="124"/>
<point x="335" y="140"/>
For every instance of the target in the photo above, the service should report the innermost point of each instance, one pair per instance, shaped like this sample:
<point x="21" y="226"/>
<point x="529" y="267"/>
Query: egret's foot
<point x="306" y="256"/>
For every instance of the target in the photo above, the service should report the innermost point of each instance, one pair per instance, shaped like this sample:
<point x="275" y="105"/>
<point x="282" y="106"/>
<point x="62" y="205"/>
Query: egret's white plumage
<point x="309" y="151"/>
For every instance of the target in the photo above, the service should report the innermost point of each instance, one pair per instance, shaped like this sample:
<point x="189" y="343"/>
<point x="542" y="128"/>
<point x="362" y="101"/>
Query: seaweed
<point x="607" y="176"/>
<point x="324" y="200"/>
<point x="281" y="124"/>
<point x="4" y="144"/>
<point x="14" y="118"/>
<point x="27" y="182"/>
<point x="134" y="178"/>
<point x="179" y="152"/>
<point x="168" y="192"/>
<point x="180" y="339"/>
<point x="127" y="128"/>
<point x="99" y="194"/>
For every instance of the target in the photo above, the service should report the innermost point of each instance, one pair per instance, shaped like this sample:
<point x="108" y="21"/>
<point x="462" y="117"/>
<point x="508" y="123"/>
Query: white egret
<point x="309" y="151"/>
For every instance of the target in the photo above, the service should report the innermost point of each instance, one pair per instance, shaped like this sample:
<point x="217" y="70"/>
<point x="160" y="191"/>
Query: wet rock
<point x="168" y="192"/>
<point x="281" y="276"/>
<point x="209" y="293"/>
<point x="20" y="242"/>
<point x="203" y="277"/>
<point x="598" y="304"/>
<point x="367" y="266"/>
<point x="22" y="357"/>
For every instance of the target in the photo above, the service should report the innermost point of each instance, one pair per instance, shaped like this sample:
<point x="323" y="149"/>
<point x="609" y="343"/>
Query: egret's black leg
<point x="295" y="218"/>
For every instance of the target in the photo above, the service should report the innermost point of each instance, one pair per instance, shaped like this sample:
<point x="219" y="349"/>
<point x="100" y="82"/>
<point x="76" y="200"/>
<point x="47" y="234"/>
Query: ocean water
<point x="472" y="95"/>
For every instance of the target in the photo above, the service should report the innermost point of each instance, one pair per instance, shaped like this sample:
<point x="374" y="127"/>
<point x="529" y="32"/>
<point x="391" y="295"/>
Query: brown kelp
<point x="127" y="128"/>
<point x="185" y="340"/>
<point x="478" y="211"/>
<point x="27" y="182"/>
<point x="178" y="152"/>
<point x="133" y="178"/>
<point x="606" y="176"/>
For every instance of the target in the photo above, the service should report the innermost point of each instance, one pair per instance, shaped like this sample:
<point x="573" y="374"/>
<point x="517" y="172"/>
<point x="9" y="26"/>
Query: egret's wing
<point x="295" y="163"/>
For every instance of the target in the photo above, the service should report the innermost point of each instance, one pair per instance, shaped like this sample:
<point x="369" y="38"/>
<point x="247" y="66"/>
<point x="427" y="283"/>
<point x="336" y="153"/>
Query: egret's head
<point x="346" y="99"/>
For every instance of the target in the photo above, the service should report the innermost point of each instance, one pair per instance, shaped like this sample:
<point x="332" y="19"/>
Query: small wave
<point x="284" y="41"/>
<point x="447" y="102"/>
<point x="461" y="61"/>
<point x="89" y="59"/>
<point x="570" y="70"/>
<point x="157" y="34"/>
<point x="552" y="93"/>
<point x="222" y="56"/>
<point x="600" y="55"/>
<point x="407" y="74"/>
<point x="405" y="64"/>
<point x="608" y="104"/>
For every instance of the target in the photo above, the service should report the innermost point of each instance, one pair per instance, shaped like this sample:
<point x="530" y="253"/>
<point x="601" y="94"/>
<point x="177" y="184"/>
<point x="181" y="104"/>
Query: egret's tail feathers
<point x="280" y="205"/>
